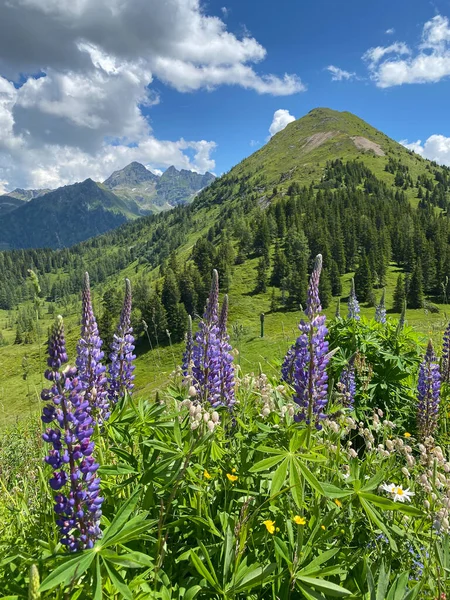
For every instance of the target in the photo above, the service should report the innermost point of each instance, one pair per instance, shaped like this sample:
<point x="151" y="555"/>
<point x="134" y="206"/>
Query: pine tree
<point x="325" y="289"/>
<point x="335" y="279"/>
<point x="262" y="277"/>
<point x="415" y="292"/>
<point x="363" y="279"/>
<point x="280" y="267"/>
<point x="399" y="295"/>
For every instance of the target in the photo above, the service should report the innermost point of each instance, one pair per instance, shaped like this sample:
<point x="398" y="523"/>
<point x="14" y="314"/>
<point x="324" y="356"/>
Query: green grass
<point x="19" y="397"/>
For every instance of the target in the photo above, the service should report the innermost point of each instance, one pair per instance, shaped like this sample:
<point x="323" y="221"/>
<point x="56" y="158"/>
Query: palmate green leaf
<point x="310" y="478"/>
<point x="192" y="592"/>
<point x="119" y="469"/>
<point x="383" y="582"/>
<point x="373" y="482"/>
<point x="98" y="587"/>
<point x="227" y="552"/>
<point x="203" y="571"/>
<point x="295" y="483"/>
<point x="253" y="578"/>
<point x="68" y="570"/>
<point x="267" y="463"/>
<point x="375" y="518"/>
<point x="309" y="593"/>
<point x="399" y="587"/>
<point x="332" y="491"/>
<point x="322" y="558"/>
<point x="118" y="582"/>
<point x="279" y="477"/>
<point x="121" y="517"/>
<point x="329" y="588"/>
<point x="129" y="560"/>
<point x="282" y="550"/>
<point x="386" y="504"/>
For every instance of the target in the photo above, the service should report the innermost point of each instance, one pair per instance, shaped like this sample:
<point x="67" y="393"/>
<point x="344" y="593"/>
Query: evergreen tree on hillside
<point x="363" y="279"/>
<point x="415" y="292"/>
<point x="325" y="289"/>
<point x="335" y="279"/>
<point x="176" y="313"/>
<point x="399" y="295"/>
<point x="280" y="267"/>
<point x="262" y="275"/>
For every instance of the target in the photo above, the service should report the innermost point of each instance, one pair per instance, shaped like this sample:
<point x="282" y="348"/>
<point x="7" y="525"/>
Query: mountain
<point x="328" y="183"/>
<point x="64" y="217"/>
<point x="73" y="213"/>
<point x="154" y="193"/>
<point x="14" y="199"/>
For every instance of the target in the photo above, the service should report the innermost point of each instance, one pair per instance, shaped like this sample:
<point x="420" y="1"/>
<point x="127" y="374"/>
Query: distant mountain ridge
<point x="154" y="193"/>
<point x="73" y="213"/>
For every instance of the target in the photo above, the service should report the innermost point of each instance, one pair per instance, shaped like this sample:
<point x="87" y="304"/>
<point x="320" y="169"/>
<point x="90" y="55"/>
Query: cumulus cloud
<point x="338" y="74"/>
<point x="87" y="71"/>
<point x="428" y="63"/>
<point x="390" y="31"/>
<point x="436" y="147"/>
<point x="281" y="118"/>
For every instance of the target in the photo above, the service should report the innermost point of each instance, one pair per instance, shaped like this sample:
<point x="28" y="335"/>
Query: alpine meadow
<point x="232" y="387"/>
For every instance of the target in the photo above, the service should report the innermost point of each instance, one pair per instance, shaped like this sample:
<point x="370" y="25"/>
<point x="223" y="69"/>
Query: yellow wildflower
<point x="233" y="470"/>
<point x="299" y="520"/>
<point x="206" y="475"/>
<point x="270" y="526"/>
<point x="232" y="478"/>
<point x="407" y="435"/>
<point x="323" y="527"/>
<point x="338" y="503"/>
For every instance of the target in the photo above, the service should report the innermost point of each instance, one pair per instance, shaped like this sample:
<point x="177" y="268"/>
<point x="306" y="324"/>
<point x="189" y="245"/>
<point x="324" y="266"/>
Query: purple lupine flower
<point x="428" y="392"/>
<point x="445" y="364"/>
<point x="206" y="351"/>
<point x="348" y="384"/>
<point x="287" y="368"/>
<point x="380" y="311"/>
<point x="186" y="365"/>
<point x="337" y="314"/>
<point x="212" y="368"/>
<point x="309" y="357"/>
<point x="89" y="356"/>
<point x="226" y="366"/>
<point x="68" y="413"/>
<point x="121" y="366"/>
<point x="353" y="304"/>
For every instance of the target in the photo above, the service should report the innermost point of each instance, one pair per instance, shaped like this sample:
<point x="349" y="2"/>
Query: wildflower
<point x="380" y="311"/>
<point x="121" y="368"/>
<point x="308" y="358"/>
<point x="338" y="503"/>
<point x="299" y="520"/>
<point x="186" y="365"/>
<point x="206" y="475"/>
<point x="89" y="356"/>
<point x="407" y="435"/>
<point x="353" y="304"/>
<point x="323" y="527"/>
<point x="232" y="478"/>
<point x="233" y="470"/>
<point x="78" y="501"/>
<point x="445" y="365"/>
<point x="428" y="389"/>
<point x="270" y="526"/>
<point x="398" y="493"/>
<point x="212" y="368"/>
<point x="348" y="385"/>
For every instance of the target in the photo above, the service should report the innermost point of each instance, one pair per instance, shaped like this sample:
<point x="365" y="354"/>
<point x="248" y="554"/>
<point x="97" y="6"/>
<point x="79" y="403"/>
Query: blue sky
<point x="86" y="87"/>
<point x="304" y="38"/>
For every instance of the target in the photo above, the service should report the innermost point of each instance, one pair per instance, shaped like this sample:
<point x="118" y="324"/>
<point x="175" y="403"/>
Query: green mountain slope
<point x="154" y="193"/>
<point x="328" y="183"/>
<point x="64" y="217"/>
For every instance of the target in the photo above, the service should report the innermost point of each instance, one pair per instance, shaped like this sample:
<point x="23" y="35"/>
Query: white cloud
<point x="225" y="11"/>
<point x="95" y="66"/>
<point x="254" y="143"/>
<point x="390" y="31"/>
<point x="281" y="118"/>
<point x="338" y="74"/>
<point x="3" y="187"/>
<point x="436" y="147"/>
<point x="428" y="64"/>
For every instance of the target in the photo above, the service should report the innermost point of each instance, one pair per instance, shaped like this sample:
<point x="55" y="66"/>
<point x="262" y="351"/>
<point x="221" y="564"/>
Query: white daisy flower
<point x="398" y="493"/>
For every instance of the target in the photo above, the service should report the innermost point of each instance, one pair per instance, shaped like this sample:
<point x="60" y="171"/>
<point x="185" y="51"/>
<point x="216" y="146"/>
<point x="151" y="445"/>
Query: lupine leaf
<point x="68" y="570"/>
